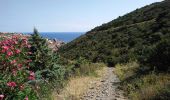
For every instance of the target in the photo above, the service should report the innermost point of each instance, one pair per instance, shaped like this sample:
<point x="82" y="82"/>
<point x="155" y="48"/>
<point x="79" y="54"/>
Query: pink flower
<point x="17" y="51"/>
<point x="19" y="66"/>
<point x="13" y="62"/>
<point x="25" y="41"/>
<point x="14" y="37"/>
<point x="26" y="98"/>
<point x="11" y="84"/>
<point x="32" y="73"/>
<point x="9" y="53"/>
<point x="1" y="96"/>
<point x="32" y="76"/>
<point x="15" y="42"/>
<point x="29" y="52"/>
<point x="28" y="46"/>
<point x="5" y="48"/>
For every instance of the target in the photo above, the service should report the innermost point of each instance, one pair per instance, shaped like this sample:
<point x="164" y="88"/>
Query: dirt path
<point x="105" y="88"/>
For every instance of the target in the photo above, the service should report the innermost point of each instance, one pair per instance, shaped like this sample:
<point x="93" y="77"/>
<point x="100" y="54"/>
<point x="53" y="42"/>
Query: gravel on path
<point x="105" y="88"/>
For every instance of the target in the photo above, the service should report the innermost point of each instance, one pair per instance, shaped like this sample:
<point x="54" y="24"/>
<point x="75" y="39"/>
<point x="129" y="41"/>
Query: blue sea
<point x="63" y="36"/>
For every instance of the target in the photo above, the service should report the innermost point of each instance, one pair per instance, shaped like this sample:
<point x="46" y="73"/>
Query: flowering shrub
<point x="14" y="68"/>
<point x="29" y="69"/>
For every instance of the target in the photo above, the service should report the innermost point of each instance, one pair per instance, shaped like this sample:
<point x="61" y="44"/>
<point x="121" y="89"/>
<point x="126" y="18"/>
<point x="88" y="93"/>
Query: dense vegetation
<point x="14" y="68"/>
<point x="143" y="37"/>
<point x="137" y="35"/>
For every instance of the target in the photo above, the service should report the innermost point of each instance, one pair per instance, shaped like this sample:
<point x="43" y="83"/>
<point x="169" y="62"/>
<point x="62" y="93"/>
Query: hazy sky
<point x="62" y="15"/>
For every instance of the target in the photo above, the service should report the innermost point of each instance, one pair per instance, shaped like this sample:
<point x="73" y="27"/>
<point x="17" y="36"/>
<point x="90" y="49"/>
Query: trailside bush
<point x="43" y="59"/>
<point x="50" y="75"/>
<point x="83" y="67"/>
<point x="41" y="54"/>
<point x="15" y="74"/>
<point x="160" y="56"/>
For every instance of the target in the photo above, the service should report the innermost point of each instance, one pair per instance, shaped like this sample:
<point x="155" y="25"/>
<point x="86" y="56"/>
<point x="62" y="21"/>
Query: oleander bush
<point x="14" y="68"/>
<point x="29" y="69"/>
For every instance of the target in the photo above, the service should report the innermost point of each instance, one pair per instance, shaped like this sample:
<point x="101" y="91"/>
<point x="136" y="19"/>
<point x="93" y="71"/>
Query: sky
<point x="62" y="15"/>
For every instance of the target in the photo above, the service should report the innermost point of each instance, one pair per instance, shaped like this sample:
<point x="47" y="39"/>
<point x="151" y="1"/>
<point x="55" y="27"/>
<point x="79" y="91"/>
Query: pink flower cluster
<point x="1" y="96"/>
<point x="11" y="84"/>
<point x="31" y="76"/>
<point x="12" y="45"/>
<point x="14" y="61"/>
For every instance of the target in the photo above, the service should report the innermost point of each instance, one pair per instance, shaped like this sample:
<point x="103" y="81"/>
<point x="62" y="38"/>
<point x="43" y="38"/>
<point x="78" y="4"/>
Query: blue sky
<point x="62" y="15"/>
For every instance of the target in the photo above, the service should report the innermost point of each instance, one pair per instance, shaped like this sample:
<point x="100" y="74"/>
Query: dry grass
<point x="153" y="85"/>
<point x="126" y="70"/>
<point x="78" y="85"/>
<point x="146" y="87"/>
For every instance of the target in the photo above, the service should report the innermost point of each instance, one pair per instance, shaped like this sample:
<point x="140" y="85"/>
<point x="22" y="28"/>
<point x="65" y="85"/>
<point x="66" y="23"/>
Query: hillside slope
<point x="126" y="38"/>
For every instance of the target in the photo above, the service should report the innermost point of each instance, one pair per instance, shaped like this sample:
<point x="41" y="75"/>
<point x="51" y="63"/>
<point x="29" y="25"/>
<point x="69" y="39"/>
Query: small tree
<point x="41" y="54"/>
<point x="49" y="74"/>
<point x="44" y="61"/>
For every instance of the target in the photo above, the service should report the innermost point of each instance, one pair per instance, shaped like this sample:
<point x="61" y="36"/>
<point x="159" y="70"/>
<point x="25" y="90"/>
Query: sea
<point x="62" y="36"/>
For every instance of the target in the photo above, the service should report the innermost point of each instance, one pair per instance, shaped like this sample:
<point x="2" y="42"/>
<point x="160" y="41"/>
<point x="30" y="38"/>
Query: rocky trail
<point x="105" y="88"/>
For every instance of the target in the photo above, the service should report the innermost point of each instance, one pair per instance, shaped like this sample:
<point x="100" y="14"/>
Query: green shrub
<point x="160" y="56"/>
<point x="84" y="67"/>
<point x="41" y="55"/>
<point x="50" y="75"/>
